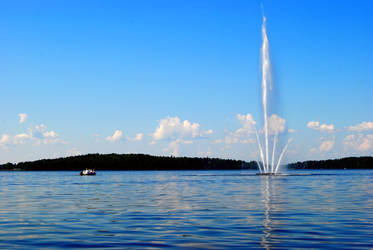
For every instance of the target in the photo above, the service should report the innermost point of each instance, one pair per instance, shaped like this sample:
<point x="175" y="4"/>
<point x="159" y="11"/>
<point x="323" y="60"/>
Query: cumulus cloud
<point x="40" y="134"/>
<point x="22" y="117"/>
<point x="138" y="137"/>
<point x="276" y="124"/>
<point x="21" y="138"/>
<point x="364" y="126"/>
<point x="326" y="146"/>
<point x="174" y="128"/>
<point x="179" y="132"/>
<point x="4" y="140"/>
<point x="37" y="135"/>
<point x="359" y="143"/>
<point x="118" y="134"/>
<point x="243" y="134"/>
<point x="247" y="122"/>
<point x="174" y="146"/>
<point x="320" y="127"/>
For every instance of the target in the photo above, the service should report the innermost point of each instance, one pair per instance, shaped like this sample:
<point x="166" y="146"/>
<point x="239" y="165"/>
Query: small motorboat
<point x="88" y="172"/>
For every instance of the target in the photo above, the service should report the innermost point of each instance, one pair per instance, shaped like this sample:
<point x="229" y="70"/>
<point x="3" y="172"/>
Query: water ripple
<point x="186" y="209"/>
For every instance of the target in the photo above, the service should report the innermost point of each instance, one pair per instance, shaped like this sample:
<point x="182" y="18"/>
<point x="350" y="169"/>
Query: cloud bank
<point x="360" y="143"/>
<point x="364" y="126"/>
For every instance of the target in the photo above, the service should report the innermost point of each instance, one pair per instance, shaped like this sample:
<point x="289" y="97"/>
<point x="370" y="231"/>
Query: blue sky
<point x="171" y="77"/>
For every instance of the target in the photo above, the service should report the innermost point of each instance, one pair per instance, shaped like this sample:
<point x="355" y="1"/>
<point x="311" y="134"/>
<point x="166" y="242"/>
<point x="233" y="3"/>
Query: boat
<point x="88" y="172"/>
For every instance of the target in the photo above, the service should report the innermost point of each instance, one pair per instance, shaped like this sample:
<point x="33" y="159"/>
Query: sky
<point x="183" y="78"/>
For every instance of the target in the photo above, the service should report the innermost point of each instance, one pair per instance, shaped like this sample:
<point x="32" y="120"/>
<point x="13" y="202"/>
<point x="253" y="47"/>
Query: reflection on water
<point x="267" y="192"/>
<point x="186" y="209"/>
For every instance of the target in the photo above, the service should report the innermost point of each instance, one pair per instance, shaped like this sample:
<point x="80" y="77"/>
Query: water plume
<point x="268" y="165"/>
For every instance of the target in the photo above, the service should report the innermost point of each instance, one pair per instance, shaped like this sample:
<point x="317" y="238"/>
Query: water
<point x="186" y="209"/>
<point x="274" y="125"/>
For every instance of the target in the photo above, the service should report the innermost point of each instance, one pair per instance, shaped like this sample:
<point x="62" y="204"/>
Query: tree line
<point x="129" y="162"/>
<point x="149" y="162"/>
<point x="365" y="162"/>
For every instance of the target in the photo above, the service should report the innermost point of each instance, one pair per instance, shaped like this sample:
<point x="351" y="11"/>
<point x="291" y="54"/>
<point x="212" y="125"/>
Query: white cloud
<point x="359" y="143"/>
<point x="174" y="128"/>
<point x="40" y="134"/>
<point x="364" y="126"/>
<point x="276" y="124"/>
<point x="38" y="131"/>
<point x="326" y="146"/>
<point x="5" y="139"/>
<point x="174" y="146"/>
<point x="179" y="132"/>
<point x="313" y="124"/>
<point x="290" y="131"/>
<point x="21" y="138"/>
<point x="118" y="134"/>
<point x="138" y="137"/>
<point x="248" y="122"/>
<point x="208" y="132"/>
<point x="320" y="127"/>
<point x="50" y="134"/>
<point x="367" y="143"/>
<point x="37" y="135"/>
<point x="22" y="117"/>
<point x="243" y="134"/>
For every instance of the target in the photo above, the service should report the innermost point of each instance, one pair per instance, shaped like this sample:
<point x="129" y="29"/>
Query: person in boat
<point x="88" y="172"/>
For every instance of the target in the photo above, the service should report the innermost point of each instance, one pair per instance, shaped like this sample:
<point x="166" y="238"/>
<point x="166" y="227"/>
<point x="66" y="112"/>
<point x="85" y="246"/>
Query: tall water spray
<point x="267" y="165"/>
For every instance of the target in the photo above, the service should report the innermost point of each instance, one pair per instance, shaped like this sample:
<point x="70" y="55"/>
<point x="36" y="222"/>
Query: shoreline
<point x="143" y="162"/>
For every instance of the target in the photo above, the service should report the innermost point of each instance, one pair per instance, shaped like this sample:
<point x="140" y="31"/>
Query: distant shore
<point x="364" y="162"/>
<point x="129" y="162"/>
<point x="148" y="162"/>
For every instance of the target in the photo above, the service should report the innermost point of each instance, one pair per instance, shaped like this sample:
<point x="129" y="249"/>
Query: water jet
<point x="269" y="165"/>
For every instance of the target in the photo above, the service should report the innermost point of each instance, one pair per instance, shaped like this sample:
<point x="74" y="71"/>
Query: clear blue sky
<point x="81" y="70"/>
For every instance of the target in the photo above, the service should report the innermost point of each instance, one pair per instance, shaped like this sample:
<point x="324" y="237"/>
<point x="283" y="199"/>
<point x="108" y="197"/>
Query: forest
<point x="365" y="162"/>
<point x="149" y="162"/>
<point x="128" y="162"/>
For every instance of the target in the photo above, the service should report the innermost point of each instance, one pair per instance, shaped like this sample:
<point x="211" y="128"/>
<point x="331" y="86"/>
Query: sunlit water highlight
<point x="186" y="209"/>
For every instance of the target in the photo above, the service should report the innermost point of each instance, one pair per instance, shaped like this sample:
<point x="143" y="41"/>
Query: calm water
<point x="186" y="209"/>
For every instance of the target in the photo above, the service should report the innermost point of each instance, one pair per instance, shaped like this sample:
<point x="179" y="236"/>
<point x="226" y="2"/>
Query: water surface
<point x="186" y="209"/>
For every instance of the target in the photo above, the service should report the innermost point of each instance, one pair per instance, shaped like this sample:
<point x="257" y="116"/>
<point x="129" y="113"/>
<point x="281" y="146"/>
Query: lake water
<point x="186" y="209"/>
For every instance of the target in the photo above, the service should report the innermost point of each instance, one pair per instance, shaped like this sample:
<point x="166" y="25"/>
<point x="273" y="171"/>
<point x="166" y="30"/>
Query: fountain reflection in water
<point x="272" y="204"/>
<point x="268" y="166"/>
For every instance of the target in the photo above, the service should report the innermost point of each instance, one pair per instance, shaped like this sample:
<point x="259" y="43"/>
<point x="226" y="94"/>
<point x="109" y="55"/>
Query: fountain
<point x="268" y="166"/>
